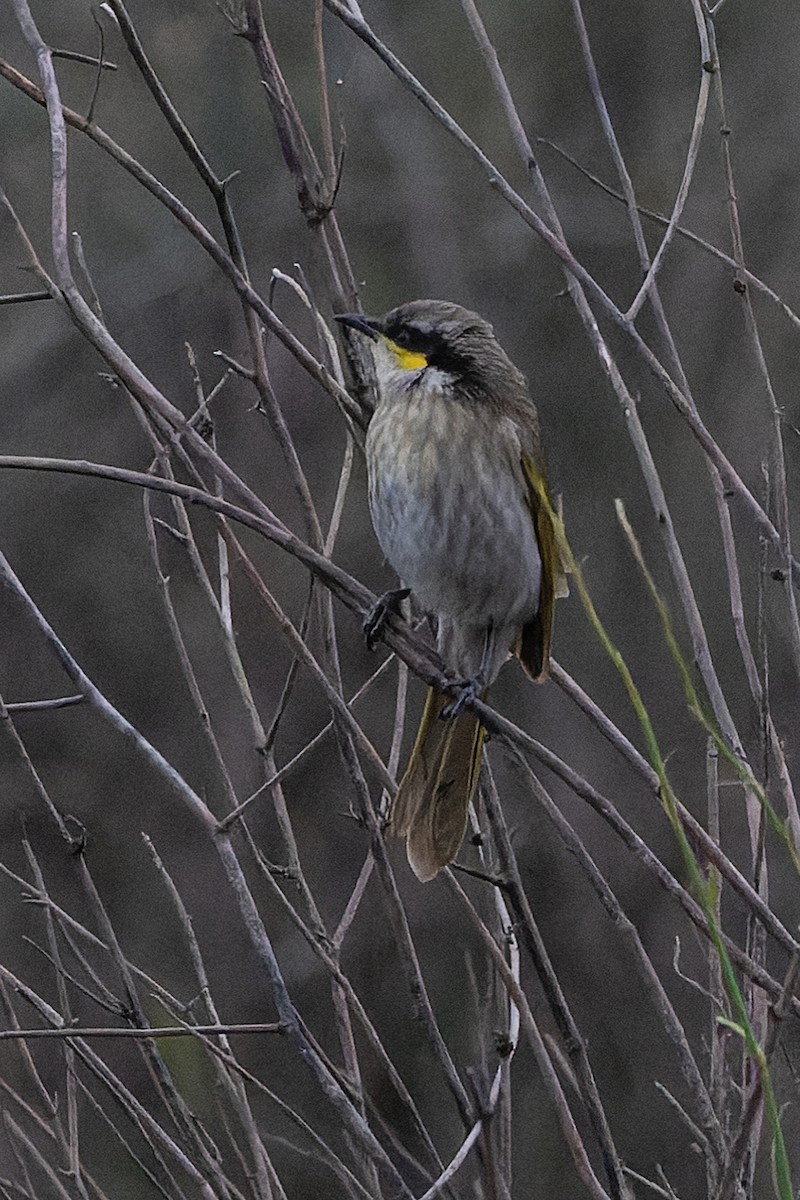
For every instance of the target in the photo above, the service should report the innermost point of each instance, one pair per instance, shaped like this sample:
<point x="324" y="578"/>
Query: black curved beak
<point x="368" y="325"/>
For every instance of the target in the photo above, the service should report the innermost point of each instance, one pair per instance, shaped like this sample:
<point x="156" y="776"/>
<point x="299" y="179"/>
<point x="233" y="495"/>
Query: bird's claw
<point x="468" y="690"/>
<point x="375" y="621"/>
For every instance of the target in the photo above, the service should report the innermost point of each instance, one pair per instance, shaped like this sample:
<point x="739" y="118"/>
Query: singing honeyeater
<point x="456" y="489"/>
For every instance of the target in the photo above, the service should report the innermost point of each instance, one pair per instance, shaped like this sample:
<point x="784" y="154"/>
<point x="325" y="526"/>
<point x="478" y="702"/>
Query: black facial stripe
<point x="438" y="350"/>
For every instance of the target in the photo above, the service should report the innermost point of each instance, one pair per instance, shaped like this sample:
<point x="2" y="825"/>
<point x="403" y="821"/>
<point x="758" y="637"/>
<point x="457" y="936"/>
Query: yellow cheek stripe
<point x="409" y="360"/>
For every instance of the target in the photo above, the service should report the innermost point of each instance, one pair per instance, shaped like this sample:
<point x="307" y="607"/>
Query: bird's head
<point x="433" y="335"/>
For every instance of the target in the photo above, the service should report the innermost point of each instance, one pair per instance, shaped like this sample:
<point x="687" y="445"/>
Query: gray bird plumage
<point x="454" y="462"/>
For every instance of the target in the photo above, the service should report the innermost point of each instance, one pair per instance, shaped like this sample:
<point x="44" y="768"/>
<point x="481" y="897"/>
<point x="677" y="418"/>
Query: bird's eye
<point x="403" y="338"/>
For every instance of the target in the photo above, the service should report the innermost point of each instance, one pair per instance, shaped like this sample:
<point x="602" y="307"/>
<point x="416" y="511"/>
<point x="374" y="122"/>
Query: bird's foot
<point x="466" y="691"/>
<point x="375" y="623"/>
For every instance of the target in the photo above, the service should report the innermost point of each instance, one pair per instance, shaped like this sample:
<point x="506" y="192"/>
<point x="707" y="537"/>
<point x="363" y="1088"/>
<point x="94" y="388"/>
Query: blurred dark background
<point x="419" y="219"/>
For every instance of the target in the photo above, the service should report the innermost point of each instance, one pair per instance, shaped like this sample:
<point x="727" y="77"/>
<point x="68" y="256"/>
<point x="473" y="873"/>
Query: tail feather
<point x="432" y="802"/>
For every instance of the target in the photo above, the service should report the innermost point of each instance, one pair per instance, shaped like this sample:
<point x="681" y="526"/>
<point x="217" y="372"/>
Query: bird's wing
<point x="533" y="648"/>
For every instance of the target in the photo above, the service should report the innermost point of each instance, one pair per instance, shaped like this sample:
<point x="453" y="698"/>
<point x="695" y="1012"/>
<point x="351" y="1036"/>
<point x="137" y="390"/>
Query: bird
<point x="460" y="505"/>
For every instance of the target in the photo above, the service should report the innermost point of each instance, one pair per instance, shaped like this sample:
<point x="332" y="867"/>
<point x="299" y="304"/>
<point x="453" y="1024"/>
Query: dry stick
<point x="748" y="1136"/>
<point x="88" y="60"/>
<point x="499" y="1090"/>
<point x="219" y="191"/>
<point x="622" y="744"/>
<point x="169" y="1002"/>
<point x="326" y="1154"/>
<point x="751" y="670"/>
<point x="341" y="1011"/>
<point x="316" y="918"/>
<point x="43" y="1126"/>
<point x="692" y="615"/>
<point x="165" y="416"/>
<point x="235" y="665"/>
<point x="422" y="661"/>
<point x="490" y="1087"/>
<point x="100" y="338"/>
<point x="425" y="664"/>
<point x="399" y="920"/>
<point x="696" y="1135"/>
<point x="331" y="963"/>
<point x="403" y="939"/>
<point x="316" y="190"/>
<point x="235" y="1090"/>
<point x="289" y="766"/>
<point x="43" y="1097"/>
<point x="719" y="491"/>
<point x="576" y="270"/>
<point x="257" y="933"/>
<point x="712" y="1134"/>
<point x="97" y="700"/>
<point x="647" y="465"/>
<point x="147" y="1123"/>
<point x="352" y="1120"/>
<point x="339" y="993"/>
<point x="174" y="1102"/>
<point x="681" y="231"/>
<point x="778" y="456"/>
<point x="102" y="997"/>
<point x="334" y="698"/>
<point x="707" y="844"/>
<point x="439" y="1185"/>
<point x="657" y="495"/>
<point x="650" y="290"/>
<point x="603" y="806"/>
<point x="399" y="635"/>
<point x="647" y="289"/>
<point x="27" y="1189"/>
<point x="342" y="714"/>
<point x="32" y="1150"/>
<point x="279" y="712"/>
<point x="154" y="1133"/>
<point x="316" y="193"/>
<point x="495" y="1099"/>
<point x="732" y="1185"/>
<point x="502" y="1082"/>
<point x="135" y="382"/>
<point x="21" y="754"/>
<point x="569" y="1032"/>
<point x="122" y="1032"/>
<point x="261" y="740"/>
<point x="231" y="650"/>
<point x="347" y="589"/>
<point x="120" y="363"/>
<point x="238" y="672"/>
<point x="328" y="549"/>
<point x="68" y="922"/>
<point x="648" y="1183"/>
<point x="325" y="601"/>
<point x="537" y="1044"/>
<point x="51" y="1122"/>
<point x="139" y="384"/>
<point x="25" y="297"/>
<point x="202" y="719"/>
<point x="329" y="153"/>
<point x="69" y="1144"/>
<point x="130" y="1152"/>
<point x="499" y="725"/>
<point x="718" y="1078"/>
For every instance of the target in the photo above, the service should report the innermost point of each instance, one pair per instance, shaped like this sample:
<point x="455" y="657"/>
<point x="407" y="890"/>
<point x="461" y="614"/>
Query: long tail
<point x="432" y="802"/>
